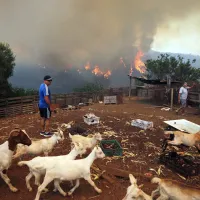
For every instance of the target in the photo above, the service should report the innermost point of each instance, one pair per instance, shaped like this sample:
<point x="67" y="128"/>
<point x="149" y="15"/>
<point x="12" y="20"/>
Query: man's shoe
<point x="42" y="133"/>
<point x="47" y="134"/>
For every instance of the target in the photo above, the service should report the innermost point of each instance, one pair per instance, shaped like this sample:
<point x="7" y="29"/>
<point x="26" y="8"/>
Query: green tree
<point x="7" y="63"/>
<point x="177" y="68"/>
<point x="19" y="92"/>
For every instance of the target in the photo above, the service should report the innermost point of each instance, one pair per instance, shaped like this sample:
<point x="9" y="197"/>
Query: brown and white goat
<point x="173" y="190"/>
<point x="17" y="136"/>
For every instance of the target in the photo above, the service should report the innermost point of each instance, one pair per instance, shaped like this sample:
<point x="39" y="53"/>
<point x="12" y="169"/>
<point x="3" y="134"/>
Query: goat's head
<point x="18" y="136"/>
<point x="59" y="134"/>
<point x="169" y="135"/>
<point x="79" y="148"/>
<point x="98" y="136"/>
<point x="133" y="192"/>
<point x="64" y="126"/>
<point x="98" y="152"/>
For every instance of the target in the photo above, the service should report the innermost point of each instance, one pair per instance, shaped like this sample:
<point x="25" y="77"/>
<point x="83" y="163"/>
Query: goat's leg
<point x="37" y="178"/>
<point x="71" y="183"/>
<point x="47" y="180"/>
<point x="93" y="184"/>
<point x="46" y="153"/>
<point x="28" y="178"/>
<point x="175" y="142"/>
<point x="57" y="187"/>
<point x="7" y="181"/>
<point x="37" y="181"/>
<point x="155" y="192"/>
<point x="18" y="154"/>
<point x="76" y="186"/>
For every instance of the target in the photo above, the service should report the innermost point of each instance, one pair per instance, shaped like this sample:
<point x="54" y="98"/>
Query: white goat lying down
<point x="68" y="170"/>
<point x="173" y="190"/>
<point x="6" y="152"/>
<point x="40" y="146"/>
<point x="87" y="142"/>
<point x="134" y="192"/>
<point x="184" y="138"/>
<point x="45" y="162"/>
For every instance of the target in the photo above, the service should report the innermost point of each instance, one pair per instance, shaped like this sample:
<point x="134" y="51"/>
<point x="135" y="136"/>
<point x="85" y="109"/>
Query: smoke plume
<point x="59" y="33"/>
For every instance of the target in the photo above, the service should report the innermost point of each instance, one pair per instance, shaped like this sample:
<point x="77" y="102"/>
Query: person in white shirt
<point x="182" y="97"/>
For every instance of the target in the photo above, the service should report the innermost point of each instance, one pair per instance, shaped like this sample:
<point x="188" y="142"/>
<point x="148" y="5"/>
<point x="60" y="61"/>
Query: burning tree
<point x="177" y="68"/>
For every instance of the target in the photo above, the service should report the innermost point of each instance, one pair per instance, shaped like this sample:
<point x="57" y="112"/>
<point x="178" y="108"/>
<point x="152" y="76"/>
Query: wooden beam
<point x="120" y="172"/>
<point x="130" y="83"/>
<point x="172" y="98"/>
<point x="106" y="177"/>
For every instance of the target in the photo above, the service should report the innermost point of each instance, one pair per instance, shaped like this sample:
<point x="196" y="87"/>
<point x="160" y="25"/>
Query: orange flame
<point x="97" y="71"/>
<point x="107" y="74"/>
<point x="87" y="66"/>
<point x="139" y="65"/>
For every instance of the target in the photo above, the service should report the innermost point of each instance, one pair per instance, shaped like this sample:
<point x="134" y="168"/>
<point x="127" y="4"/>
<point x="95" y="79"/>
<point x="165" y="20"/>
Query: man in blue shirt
<point x="45" y="105"/>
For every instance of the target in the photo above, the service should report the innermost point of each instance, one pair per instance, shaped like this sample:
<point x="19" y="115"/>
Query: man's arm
<point x="191" y="86"/>
<point x="46" y="98"/>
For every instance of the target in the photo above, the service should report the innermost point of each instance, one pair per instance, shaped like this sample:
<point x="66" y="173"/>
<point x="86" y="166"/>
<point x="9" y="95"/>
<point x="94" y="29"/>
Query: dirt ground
<point x="144" y="146"/>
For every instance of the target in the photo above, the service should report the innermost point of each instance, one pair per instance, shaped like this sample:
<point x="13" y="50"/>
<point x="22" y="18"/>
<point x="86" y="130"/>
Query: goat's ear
<point x="15" y="132"/>
<point x="132" y="179"/>
<point x="76" y="145"/>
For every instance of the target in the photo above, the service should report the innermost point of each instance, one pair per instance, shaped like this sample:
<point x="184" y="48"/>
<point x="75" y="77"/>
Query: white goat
<point x="87" y="142"/>
<point x="68" y="170"/>
<point x="40" y="146"/>
<point x="173" y="190"/>
<point x="134" y="192"/>
<point x="6" y="152"/>
<point x="46" y="161"/>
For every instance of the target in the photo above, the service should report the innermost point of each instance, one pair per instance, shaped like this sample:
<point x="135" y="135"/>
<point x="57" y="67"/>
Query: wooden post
<point x="172" y="98"/>
<point x="130" y="87"/>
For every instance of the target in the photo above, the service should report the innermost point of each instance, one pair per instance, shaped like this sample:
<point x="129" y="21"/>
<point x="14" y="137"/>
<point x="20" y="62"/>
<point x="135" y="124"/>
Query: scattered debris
<point x="142" y="124"/>
<point x="91" y="118"/>
<point x="166" y="109"/>
<point x="109" y="134"/>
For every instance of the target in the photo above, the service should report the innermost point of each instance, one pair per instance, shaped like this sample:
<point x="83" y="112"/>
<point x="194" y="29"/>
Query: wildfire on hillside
<point x="107" y="74"/>
<point x="87" y="66"/>
<point x="139" y="65"/>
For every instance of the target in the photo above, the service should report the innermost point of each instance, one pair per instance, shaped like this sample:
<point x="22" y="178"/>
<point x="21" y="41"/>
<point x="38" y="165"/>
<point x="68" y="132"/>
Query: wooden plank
<point x="119" y="172"/>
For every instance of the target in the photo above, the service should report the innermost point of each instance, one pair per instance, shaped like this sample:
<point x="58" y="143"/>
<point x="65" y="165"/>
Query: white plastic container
<point x="142" y="124"/>
<point x="91" y="119"/>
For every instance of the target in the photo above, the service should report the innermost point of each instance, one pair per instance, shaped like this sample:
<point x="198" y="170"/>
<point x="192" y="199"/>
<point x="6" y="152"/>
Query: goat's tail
<point x="70" y="136"/>
<point x="156" y="180"/>
<point x="21" y="163"/>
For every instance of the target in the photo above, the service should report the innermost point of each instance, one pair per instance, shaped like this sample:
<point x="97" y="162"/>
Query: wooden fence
<point x="29" y="104"/>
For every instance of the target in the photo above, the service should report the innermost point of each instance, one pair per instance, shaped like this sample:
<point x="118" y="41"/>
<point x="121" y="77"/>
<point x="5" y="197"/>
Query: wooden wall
<point x="29" y="104"/>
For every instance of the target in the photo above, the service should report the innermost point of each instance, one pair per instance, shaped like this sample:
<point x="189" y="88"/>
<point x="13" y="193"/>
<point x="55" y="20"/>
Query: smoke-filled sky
<point x="71" y="32"/>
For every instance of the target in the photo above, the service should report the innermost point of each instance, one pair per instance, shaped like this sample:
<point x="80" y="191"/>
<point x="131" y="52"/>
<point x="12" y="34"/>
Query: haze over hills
<point x="66" y="80"/>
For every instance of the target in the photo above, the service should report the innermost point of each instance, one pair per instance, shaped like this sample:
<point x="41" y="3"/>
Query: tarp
<point x="154" y="82"/>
